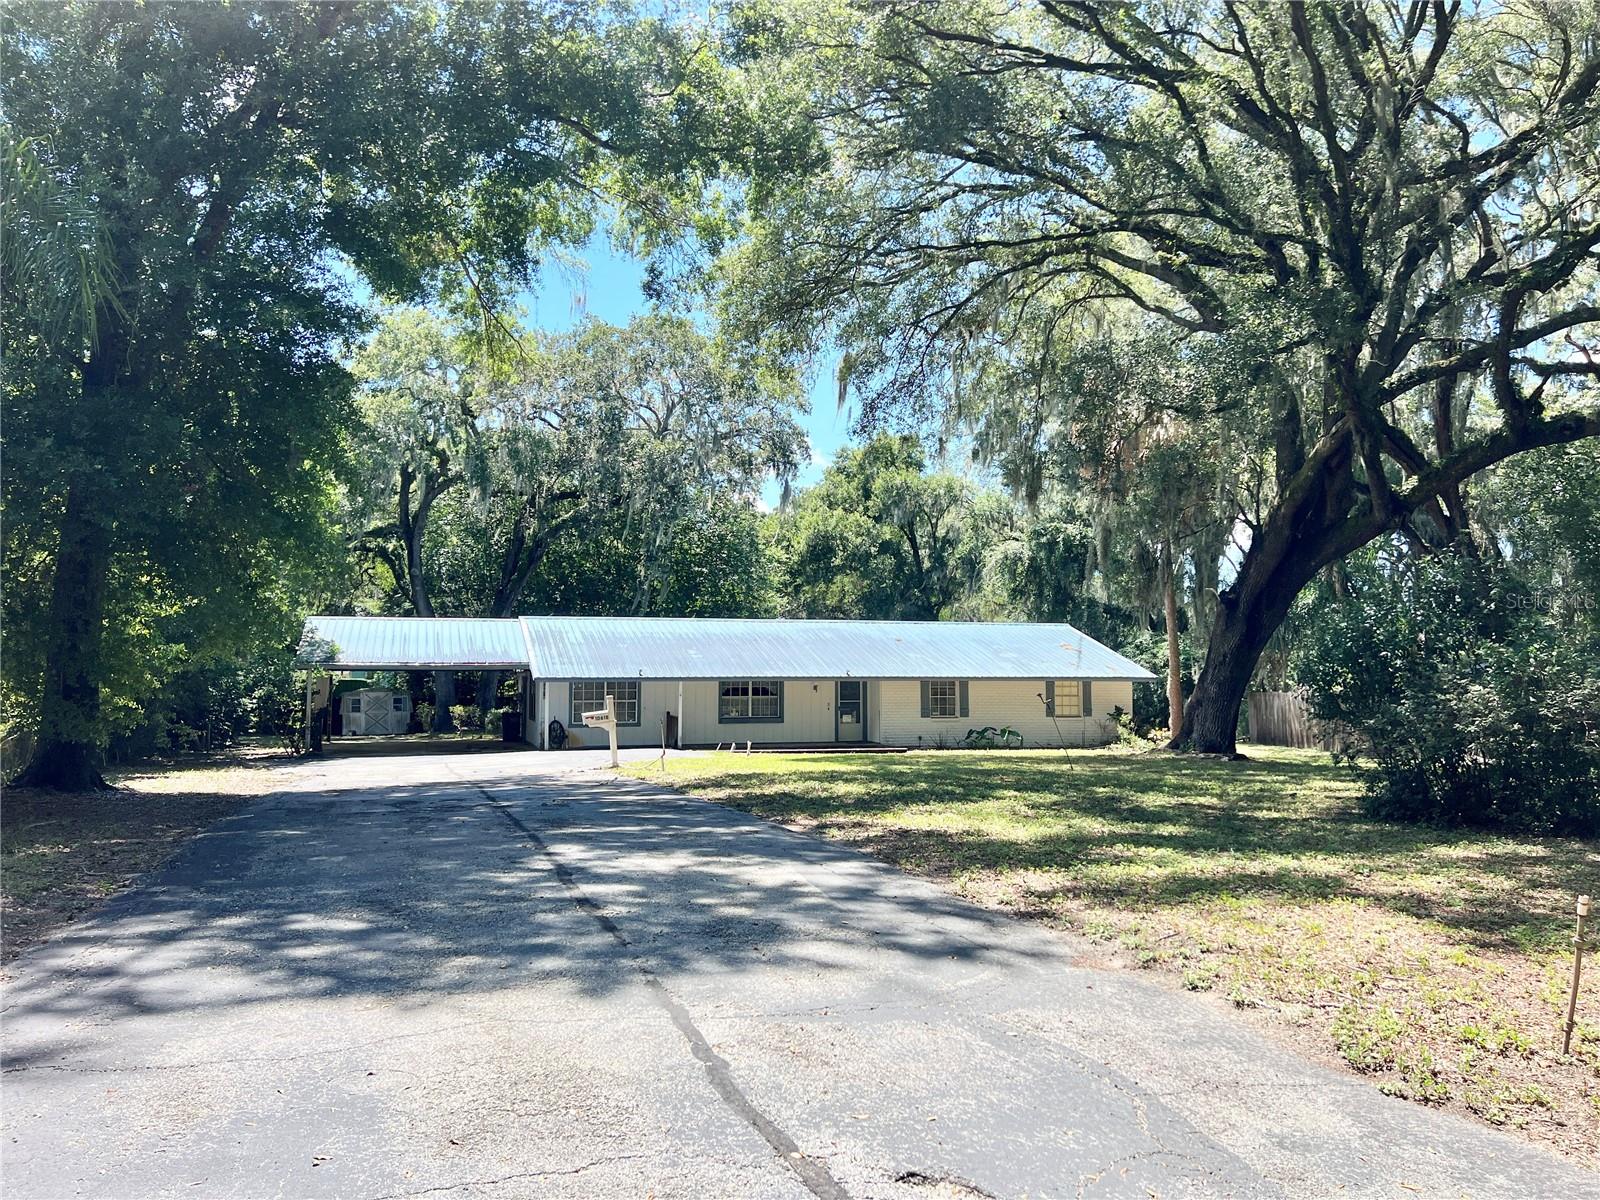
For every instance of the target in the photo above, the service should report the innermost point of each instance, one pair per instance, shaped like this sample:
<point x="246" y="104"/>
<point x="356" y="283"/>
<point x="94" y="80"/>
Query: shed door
<point x="376" y="710"/>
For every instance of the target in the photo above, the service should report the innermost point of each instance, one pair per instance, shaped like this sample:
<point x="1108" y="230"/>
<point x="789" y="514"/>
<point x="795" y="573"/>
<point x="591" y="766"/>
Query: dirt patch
<point x="64" y="853"/>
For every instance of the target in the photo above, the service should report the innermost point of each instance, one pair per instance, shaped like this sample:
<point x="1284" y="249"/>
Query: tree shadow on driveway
<point x="407" y="894"/>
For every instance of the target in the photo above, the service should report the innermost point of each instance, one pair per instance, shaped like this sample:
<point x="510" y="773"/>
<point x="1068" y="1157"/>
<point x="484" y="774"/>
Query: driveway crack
<point x="812" y="1172"/>
<point x="499" y="1179"/>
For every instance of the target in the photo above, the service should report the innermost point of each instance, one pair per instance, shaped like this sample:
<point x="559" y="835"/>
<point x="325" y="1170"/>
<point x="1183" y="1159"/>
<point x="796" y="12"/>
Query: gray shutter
<point x="927" y="702"/>
<point x="961" y="689"/>
<point x="1088" y="697"/>
<point x="1049" y="697"/>
<point x="780" y="701"/>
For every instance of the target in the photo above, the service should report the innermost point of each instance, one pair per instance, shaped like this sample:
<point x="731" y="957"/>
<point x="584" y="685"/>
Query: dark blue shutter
<point x="927" y="701"/>
<point x="1049" y="697"/>
<point x="1088" y="697"/>
<point x="961" y="688"/>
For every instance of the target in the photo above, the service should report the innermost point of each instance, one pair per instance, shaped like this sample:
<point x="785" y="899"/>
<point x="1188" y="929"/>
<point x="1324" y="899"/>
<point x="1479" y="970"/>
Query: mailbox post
<point x="605" y="718"/>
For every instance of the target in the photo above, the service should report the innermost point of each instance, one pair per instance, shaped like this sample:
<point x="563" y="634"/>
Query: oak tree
<point x="1376" y="224"/>
<point x="243" y="162"/>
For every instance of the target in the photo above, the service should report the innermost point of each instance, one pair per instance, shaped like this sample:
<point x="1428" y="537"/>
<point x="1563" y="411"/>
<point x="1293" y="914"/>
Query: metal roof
<point x="713" y="648"/>
<point x="401" y="643"/>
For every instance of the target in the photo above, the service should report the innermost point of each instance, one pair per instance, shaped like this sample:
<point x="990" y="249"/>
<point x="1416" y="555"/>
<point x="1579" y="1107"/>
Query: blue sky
<point x="609" y="285"/>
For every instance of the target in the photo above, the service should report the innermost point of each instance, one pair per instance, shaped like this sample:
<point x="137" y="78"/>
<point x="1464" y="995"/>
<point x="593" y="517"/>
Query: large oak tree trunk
<point x="1310" y="527"/>
<point x="488" y="693"/>
<point x="68" y="753"/>
<point x="1248" y="614"/>
<point x="444" y="695"/>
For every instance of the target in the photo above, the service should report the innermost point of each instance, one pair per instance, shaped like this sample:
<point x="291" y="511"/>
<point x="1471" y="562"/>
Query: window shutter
<point x="961" y="690"/>
<point x="1088" y="697"/>
<point x="1049" y="697"/>
<point x="780" y="701"/>
<point x="927" y="702"/>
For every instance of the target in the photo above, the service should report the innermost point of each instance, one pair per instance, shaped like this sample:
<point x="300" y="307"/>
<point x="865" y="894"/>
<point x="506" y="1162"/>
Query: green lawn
<point x="1435" y="961"/>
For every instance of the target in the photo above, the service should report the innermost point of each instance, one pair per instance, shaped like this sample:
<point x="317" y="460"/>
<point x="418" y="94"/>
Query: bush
<point x="1462" y="704"/>
<point x="468" y="717"/>
<point x="990" y="738"/>
<point x="1128" y="734"/>
<point x="206" y="708"/>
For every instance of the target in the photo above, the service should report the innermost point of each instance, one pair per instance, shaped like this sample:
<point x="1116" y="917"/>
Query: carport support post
<point x="313" y="729"/>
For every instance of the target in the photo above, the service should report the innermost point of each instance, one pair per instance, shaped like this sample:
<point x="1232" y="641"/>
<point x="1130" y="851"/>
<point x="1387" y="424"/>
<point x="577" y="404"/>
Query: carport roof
<point x="714" y="648"/>
<point x="407" y="643"/>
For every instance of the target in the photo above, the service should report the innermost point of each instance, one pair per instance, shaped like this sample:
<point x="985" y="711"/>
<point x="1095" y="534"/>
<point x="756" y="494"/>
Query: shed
<point x="375" y="711"/>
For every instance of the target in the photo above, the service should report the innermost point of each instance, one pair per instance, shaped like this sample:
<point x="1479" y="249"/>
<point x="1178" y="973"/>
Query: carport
<point x="334" y="646"/>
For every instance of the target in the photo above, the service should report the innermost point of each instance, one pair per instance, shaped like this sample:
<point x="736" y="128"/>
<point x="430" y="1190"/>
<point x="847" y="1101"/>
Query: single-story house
<point x="695" y="681"/>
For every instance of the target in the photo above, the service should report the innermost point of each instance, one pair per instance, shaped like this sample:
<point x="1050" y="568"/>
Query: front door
<point x="850" y="711"/>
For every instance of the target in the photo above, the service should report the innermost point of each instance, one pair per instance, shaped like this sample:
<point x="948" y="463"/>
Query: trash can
<point x="511" y="726"/>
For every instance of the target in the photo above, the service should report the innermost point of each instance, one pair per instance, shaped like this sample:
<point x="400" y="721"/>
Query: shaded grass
<point x="62" y="854"/>
<point x="1433" y="960"/>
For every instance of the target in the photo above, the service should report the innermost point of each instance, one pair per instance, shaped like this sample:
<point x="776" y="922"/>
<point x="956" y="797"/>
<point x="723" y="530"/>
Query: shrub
<point x="209" y="707"/>
<point x="468" y="717"/>
<point x="1127" y="734"/>
<point x="990" y="738"/>
<point x="1462" y="704"/>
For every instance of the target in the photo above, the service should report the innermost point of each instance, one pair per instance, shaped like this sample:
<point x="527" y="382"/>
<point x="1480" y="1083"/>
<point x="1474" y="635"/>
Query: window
<point x="1064" y="697"/>
<point x="399" y="704"/>
<point x="589" y="695"/>
<point x="944" y="698"/>
<point x="355" y="704"/>
<point x="751" y="700"/>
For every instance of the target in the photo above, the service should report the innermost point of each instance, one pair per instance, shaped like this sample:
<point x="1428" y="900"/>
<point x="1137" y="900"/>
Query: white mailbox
<point x="605" y="718"/>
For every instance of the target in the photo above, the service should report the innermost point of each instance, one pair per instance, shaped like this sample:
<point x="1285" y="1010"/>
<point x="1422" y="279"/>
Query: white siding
<point x="656" y="698"/>
<point x="807" y="715"/>
<point x="997" y="702"/>
<point x="893" y="714"/>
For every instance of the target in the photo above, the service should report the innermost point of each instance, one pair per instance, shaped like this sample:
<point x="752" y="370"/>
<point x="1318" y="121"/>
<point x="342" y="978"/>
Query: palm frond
<point x="58" y="269"/>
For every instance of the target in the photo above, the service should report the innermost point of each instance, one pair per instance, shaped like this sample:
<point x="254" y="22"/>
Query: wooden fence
<point x="1281" y="719"/>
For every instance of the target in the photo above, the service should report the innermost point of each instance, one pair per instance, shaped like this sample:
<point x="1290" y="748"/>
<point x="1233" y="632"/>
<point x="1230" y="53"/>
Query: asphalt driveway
<point x="498" y="976"/>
